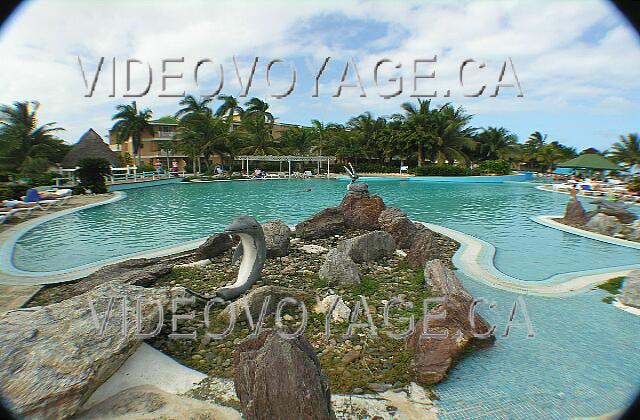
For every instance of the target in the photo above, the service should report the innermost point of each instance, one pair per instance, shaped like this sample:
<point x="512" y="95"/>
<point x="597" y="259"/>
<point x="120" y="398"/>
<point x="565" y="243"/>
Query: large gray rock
<point x="396" y="223"/>
<point x="216" y="244"/>
<point x="433" y="357"/>
<point x="325" y="223"/>
<point x="630" y="292"/>
<point x="54" y="357"/>
<point x="617" y="209"/>
<point x="368" y="247"/>
<point x="339" y="268"/>
<point x="276" y="236"/>
<point x="255" y="299"/>
<point x="278" y="378"/>
<point x="605" y="225"/>
<point x="574" y="214"/>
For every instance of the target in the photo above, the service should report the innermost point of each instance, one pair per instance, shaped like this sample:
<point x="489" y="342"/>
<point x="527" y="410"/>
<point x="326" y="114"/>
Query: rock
<point x="396" y="223"/>
<point x="351" y="356"/>
<point x="604" y="225"/>
<point x="361" y="210"/>
<point x="313" y="249"/>
<point x="148" y="401"/>
<point x="422" y="248"/>
<point x="434" y="356"/>
<point x="214" y="246"/>
<point x="325" y="223"/>
<point x="634" y="231"/>
<point x="278" y="378"/>
<point x="276" y="236"/>
<point x="574" y="214"/>
<point x="616" y="209"/>
<point x="54" y="357"/>
<point x="341" y="312"/>
<point x="138" y="272"/>
<point x="255" y="298"/>
<point x="368" y="247"/>
<point x="360" y="187"/>
<point x="443" y="281"/>
<point x="630" y="292"/>
<point x="339" y="268"/>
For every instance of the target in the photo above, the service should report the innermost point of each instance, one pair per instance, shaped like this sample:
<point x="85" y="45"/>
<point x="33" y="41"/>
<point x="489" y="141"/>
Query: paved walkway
<point x="13" y="297"/>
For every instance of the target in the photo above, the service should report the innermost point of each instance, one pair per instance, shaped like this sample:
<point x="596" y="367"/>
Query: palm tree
<point x="258" y="135"/>
<point x="451" y="137"/>
<point x="298" y="140"/>
<point x="627" y="150"/>
<point x="192" y="105"/>
<point x="369" y="131"/>
<point x="230" y="107"/>
<point x="131" y="124"/>
<point x="259" y="108"/>
<point x="20" y="133"/>
<point x="418" y="125"/>
<point x="496" y="143"/>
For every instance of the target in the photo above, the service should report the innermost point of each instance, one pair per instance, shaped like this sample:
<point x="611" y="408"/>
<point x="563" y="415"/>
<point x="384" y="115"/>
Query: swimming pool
<point x="150" y="218"/>
<point x="581" y="362"/>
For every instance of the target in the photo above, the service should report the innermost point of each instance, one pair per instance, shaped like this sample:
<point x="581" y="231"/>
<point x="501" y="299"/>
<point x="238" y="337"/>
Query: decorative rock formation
<point x="433" y="357"/>
<point x="618" y="210"/>
<point x="368" y="247"/>
<point x="361" y="210"/>
<point x="630" y="292"/>
<point x="214" y="246"/>
<point x="255" y="299"/>
<point x="396" y="223"/>
<point x="422" y="248"/>
<point x="279" y="378"/>
<point x="276" y="235"/>
<point x="574" y="214"/>
<point x="327" y="222"/>
<point x="605" y="225"/>
<point x="148" y="401"/>
<point x="54" y="357"/>
<point x="340" y="313"/>
<point x="339" y="268"/>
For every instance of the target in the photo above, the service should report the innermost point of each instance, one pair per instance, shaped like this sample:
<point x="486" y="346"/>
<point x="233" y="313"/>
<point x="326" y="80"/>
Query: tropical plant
<point x="418" y="124"/>
<point x="130" y="124"/>
<point x="627" y="150"/>
<point x="92" y="172"/>
<point x="257" y="133"/>
<point x="496" y="143"/>
<point x="22" y="136"/>
<point x="451" y="138"/>
<point x="230" y="107"/>
<point x="34" y="167"/>
<point x="495" y="167"/>
<point x="259" y="109"/>
<point x="192" y="105"/>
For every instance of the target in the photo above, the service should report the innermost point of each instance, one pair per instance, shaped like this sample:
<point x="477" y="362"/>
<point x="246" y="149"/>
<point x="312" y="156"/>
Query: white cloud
<point x="568" y="54"/>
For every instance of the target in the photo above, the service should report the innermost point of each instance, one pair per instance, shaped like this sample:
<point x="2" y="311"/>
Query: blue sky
<point x="577" y="61"/>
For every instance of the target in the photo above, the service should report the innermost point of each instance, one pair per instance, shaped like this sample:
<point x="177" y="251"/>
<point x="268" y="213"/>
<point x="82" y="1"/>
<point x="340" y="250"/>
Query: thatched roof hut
<point x="90" y="145"/>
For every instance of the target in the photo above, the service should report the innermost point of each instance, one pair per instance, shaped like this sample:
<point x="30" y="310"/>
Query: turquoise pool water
<point x="581" y="362"/>
<point x="167" y="215"/>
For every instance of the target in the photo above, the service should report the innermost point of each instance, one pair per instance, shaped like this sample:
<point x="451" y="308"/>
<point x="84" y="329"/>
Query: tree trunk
<point x="420" y="155"/>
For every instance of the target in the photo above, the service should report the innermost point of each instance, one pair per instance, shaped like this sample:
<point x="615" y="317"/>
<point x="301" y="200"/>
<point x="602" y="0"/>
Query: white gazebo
<point x="274" y="158"/>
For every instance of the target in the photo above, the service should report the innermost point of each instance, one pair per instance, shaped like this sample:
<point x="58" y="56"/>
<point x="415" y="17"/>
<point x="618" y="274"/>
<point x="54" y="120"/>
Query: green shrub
<point x="442" y="170"/>
<point x="498" y="167"/>
<point x="91" y="172"/>
<point x="6" y="193"/>
<point x="33" y="167"/>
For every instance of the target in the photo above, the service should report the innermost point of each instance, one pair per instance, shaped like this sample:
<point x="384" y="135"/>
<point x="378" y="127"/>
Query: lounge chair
<point x="308" y="174"/>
